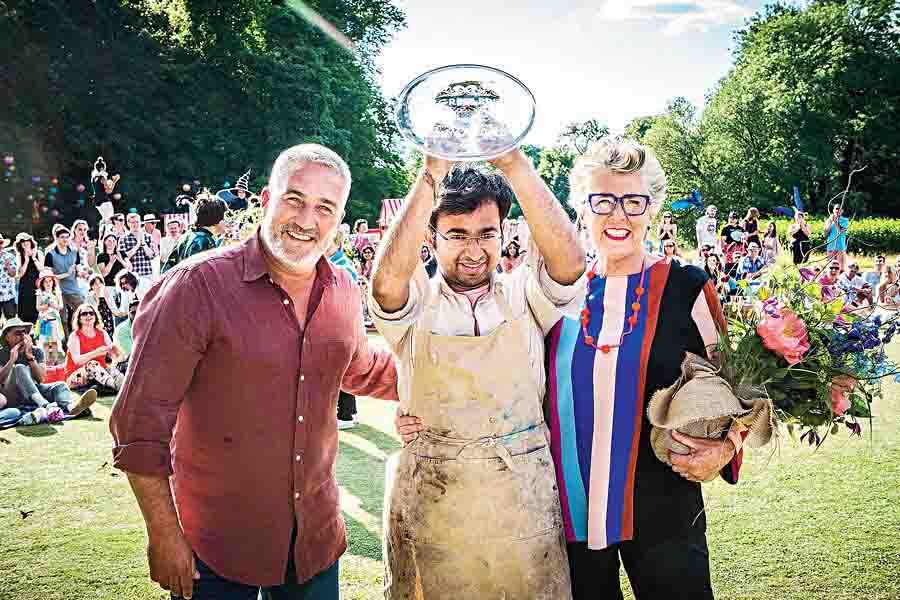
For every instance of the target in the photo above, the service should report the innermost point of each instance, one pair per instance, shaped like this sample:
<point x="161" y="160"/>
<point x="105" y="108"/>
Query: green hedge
<point x="867" y="236"/>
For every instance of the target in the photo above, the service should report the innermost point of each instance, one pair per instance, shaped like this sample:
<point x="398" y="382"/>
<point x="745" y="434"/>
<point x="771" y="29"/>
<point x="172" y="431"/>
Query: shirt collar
<point x="255" y="266"/>
<point x="495" y="286"/>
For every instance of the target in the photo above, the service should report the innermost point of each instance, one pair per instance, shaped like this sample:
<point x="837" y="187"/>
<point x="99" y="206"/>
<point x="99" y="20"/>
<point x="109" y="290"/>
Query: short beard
<point x="276" y="248"/>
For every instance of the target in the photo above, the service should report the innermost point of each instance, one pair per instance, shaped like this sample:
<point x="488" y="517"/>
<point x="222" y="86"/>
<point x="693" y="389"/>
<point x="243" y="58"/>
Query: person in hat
<point x="241" y="193"/>
<point x="137" y="247"/>
<point x="24" y="398"/>
<point x="49" y="306"/>
<point x="150" y="228"/>
<point x="8" y="270"/>
<point x="30" y="263"/>
<point x="731" y="239"/>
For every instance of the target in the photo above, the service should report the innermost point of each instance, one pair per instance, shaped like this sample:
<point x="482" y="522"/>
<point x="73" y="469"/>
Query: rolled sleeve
<point x="371" y="372"/>
<point x="549" y="299"/>
<point x="170" y="336"/>
<point x="395" y="326"/>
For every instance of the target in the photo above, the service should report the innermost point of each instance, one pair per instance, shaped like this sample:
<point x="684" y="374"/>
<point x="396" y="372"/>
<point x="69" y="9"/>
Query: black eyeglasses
<point x="633" y="205"/>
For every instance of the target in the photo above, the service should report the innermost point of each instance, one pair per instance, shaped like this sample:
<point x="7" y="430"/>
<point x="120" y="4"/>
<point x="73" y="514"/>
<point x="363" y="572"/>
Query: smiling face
<point x="134" y="222"/>
<point x="80" y="231"/>
<point x="617" y="235"/>
<point x="304" y="207"/>
<point x="470" y="266"/>
<point x="174" y="228"/>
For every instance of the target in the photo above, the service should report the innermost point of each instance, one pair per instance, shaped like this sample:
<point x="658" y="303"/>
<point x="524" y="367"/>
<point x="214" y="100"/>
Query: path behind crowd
<point x="801" y="524"/>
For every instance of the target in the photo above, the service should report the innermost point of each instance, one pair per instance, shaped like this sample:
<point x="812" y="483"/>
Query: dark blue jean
<point x="210" y="586"/>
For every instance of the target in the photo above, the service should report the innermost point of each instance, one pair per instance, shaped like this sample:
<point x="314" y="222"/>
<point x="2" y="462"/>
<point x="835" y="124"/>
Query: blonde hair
<point x="617" y="154"/>
<point x="302" y="154"/>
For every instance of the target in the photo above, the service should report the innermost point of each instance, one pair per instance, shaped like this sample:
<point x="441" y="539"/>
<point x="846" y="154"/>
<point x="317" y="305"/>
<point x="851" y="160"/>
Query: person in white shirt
<point x="707" y="229"/>
<point x="873" y="278"/>
<point x="174" y="230"/>
<point x="855" y="288"/>
<point x="470" y="359"/>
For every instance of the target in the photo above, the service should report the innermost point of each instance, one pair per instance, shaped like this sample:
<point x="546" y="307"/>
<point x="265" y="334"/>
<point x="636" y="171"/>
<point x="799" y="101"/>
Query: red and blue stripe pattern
<point x="596" y="407"/>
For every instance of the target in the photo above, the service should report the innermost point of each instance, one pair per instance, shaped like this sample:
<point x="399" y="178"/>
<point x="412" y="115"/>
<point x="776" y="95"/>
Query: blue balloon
<point x="798" y="202"/>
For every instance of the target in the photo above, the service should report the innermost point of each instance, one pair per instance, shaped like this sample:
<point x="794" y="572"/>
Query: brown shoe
<point x="84" y="403"/>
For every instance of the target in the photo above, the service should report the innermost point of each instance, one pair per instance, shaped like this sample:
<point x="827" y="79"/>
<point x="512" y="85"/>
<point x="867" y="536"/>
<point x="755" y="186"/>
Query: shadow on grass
<point x="383" y="441"/>
<point x="362" y="475"/>
<point x="361" y="541"/>
<point x="36" y="430"/>
<point x="106" y="401"/>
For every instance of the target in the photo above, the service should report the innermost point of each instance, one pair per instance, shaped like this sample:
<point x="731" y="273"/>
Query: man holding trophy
<point x="472" y="509"/>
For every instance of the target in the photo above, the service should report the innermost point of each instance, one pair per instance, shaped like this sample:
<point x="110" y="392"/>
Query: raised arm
<point x="398" y="255"/>
<point x="552" y="231"/>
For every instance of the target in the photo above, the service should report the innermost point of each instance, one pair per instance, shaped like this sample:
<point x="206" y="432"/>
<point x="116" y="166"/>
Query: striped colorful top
<point x="597" y="401"/>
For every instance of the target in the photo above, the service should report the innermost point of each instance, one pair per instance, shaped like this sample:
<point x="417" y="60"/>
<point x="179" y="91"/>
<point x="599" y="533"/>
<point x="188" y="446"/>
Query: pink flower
<point x="784" y="333"/>
<point x="841" y="388"/>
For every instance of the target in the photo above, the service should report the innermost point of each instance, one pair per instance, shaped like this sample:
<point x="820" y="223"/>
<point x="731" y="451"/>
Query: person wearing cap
<point x="30" y="263"/>
<point x="22" y="372"/>
<point x="204" y="235"/>
<point x="731" y="240"/>
<point x="62" y="259"/>
<point x="8" y="269"/>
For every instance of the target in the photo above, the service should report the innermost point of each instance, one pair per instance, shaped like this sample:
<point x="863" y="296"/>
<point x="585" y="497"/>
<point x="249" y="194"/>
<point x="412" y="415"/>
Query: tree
<point x="578" y="135"/>
<point x="170" y="91"/>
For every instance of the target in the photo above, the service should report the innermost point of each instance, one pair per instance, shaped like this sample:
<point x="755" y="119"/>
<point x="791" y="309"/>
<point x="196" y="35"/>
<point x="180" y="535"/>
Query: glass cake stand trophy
<point x="465" y="112"/>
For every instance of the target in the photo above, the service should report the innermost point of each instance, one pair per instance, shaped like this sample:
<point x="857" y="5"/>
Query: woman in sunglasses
<point x="89" y="350"/>
<point x="666" y="231"/>
<point x="620" y="503"/>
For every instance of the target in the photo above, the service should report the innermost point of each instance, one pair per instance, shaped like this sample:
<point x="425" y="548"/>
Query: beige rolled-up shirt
<point x="528" y="288"/>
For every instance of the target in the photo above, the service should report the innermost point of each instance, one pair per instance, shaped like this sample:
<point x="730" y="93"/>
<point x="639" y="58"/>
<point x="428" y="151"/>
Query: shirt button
<point x="296" y="495"/>
<point x="286" y="301"/>
<point x="299" y="458"/>
<point x="302" y="377"/>
<point x="300" y="418"/>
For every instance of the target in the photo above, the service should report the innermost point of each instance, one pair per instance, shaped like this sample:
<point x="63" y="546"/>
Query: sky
<point x="612" y="60"/>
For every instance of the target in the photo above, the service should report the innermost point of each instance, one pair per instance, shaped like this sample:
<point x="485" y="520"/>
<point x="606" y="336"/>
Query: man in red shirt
<point x="238" y="358"/>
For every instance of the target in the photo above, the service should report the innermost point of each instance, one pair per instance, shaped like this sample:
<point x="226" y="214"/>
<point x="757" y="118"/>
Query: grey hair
<point x="302" y="154"/>
<point x="617" y="154"/>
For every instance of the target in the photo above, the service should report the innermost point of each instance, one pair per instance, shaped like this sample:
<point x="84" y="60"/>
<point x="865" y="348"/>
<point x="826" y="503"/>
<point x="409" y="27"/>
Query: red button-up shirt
<point x="222" y="375"/>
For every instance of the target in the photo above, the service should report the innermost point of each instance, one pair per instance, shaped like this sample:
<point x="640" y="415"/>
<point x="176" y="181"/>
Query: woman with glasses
<point x="670" y="251"/>
<point x="89" y="348"/>
<point x="642" y="314"/>
<point x="666" y="231"/>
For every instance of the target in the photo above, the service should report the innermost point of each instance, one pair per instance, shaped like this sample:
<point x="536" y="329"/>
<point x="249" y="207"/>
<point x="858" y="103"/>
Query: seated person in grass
<point x="122" y="339"/>
<point x="828" y="279"/>
<point x="855" y="288"/>
<point x="23" y="395"/>
<point x="89" y="350"/>
<point x="752" y="266"/>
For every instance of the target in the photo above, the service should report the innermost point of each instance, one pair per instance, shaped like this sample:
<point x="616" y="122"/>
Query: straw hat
<point x="44" y="274"/>
<point x="15" y="323"/>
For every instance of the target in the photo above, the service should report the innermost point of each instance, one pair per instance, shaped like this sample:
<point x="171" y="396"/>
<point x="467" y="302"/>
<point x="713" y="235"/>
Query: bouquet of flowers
<point x="790" y="356"/>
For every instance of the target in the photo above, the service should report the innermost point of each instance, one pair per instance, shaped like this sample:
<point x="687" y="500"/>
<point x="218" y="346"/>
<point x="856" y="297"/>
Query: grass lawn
<point x="801" y="524"/>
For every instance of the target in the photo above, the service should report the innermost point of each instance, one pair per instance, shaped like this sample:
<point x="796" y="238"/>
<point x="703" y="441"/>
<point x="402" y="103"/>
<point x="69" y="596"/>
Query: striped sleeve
<point x="710" y="320"/>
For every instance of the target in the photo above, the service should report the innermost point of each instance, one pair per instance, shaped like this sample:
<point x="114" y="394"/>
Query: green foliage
<point x="867" y="236"/>
<point x="814" y="93"/>
<point x="170" y="91"/>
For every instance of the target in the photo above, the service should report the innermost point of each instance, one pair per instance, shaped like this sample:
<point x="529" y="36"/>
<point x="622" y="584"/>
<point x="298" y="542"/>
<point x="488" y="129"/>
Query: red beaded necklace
<point x="632" y="320"/>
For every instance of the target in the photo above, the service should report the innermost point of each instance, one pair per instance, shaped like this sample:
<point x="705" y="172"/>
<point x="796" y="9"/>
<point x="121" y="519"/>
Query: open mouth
<point x="300" y="237"/>
<point x="617" y="235"/>
<point x="472" y="269"/>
